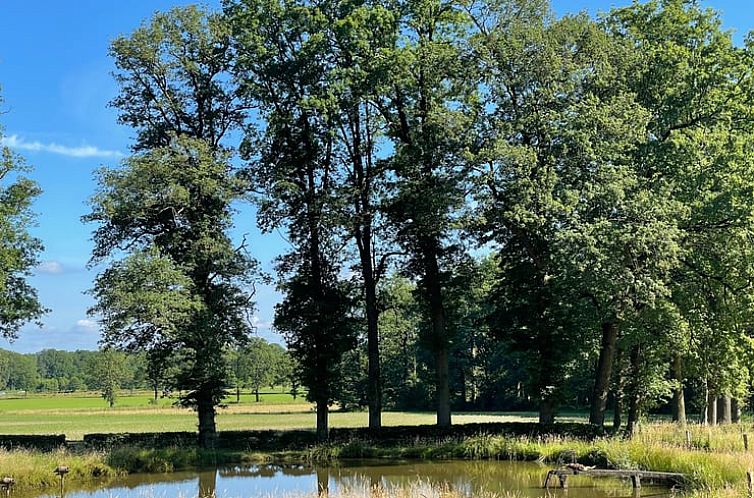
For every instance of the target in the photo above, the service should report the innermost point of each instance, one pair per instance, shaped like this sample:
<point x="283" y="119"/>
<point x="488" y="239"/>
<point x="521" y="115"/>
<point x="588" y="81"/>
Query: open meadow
<point x="77" y="414"/>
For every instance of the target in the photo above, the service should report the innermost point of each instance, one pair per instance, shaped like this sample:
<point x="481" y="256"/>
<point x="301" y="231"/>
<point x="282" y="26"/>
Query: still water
<point x="465" y="478"/>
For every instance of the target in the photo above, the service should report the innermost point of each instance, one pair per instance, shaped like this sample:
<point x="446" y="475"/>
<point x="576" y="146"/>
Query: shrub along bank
<point x="284" y="440"/>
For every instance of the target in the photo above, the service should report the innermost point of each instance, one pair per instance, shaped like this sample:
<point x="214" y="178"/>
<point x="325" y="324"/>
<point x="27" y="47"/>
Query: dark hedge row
<point x="42" y="443"/>
<point x="270" y="440"/>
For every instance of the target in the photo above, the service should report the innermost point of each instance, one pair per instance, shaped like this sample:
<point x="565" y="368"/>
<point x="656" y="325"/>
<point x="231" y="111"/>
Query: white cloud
<point x="15" y="142"/>
<point x="50" y="267"/>
<point x="86" y="324"/>
<point x="260" y="324"/>
<point x="84" y="334"/>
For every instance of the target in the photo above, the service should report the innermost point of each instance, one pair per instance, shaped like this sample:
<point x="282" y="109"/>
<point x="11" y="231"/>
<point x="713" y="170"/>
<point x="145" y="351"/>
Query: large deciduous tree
<point x="177" y="282"/>
<point x="361" y="34"/>
<point x="557" y="190"/>
<point x="283" y="67"/>
<point x="696" y="87"/>
<point x="427" y="110"/>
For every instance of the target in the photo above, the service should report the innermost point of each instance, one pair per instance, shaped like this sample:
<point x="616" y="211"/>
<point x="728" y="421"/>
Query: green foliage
<point x="110" y="372"/>
<point x="258" y="364"/>
<point x="172" y="74"/>
<point x="284" y="70"/>
<point x="19" y="250"/>
<point x="181" y="286"/>
<point x="564" y="192"/>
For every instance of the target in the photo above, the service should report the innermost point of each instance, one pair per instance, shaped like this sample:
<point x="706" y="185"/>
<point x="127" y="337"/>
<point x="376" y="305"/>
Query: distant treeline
<point x="257" y="365"/>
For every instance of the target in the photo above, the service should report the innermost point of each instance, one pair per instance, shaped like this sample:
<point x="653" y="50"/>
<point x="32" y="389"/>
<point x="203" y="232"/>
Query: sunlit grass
<point x="129" y="400"/>
<point x="34" y="469"/>
<point x="75" y="425"/>
<point x="719" y="471"/>
<point x="77" y="414"/>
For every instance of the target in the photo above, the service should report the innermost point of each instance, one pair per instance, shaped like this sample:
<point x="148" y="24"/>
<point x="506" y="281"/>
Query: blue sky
<point x="56" y="83"/>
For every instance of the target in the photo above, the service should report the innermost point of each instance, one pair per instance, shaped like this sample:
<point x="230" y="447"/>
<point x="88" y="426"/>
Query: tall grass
<point x="34" y="470"/>
<point x="714" y="465"/>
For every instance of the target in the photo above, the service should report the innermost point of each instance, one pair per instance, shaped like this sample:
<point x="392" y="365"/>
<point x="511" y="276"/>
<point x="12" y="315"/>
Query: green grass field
<point x="79" y="414"/>
<point x="143" y="399"/>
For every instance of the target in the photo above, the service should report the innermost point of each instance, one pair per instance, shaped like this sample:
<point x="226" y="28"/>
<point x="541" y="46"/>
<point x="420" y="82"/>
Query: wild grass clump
<point x="34" y="469"/>
<point x="728" y="437"/>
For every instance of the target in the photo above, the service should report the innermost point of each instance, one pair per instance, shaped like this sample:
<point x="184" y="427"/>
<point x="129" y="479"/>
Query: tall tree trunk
<point x="634" y="405"/>
<point x="363" y="176"/>
<point x="618" y="412"/>
<point x="323" y="431"/>
<point x="156" y="387"/>
<point x="443" y="387"/>
<point x="546" y="411"/>
<point x="679" y="401"/>
<point x="618" y="393"/>
<point x="256" y="394"/>
<point x="462" y="384"/>
<point x="603" y="374"/>
<point x="546" y="382"/>
<point x="238" y="394"/>
<point x="207" y="428"/>
<point x="711" y="408"/>
<point x="433" y="288"/>
<point x="374" y="380"/>
<point x="735" y="410"/>
<point x="316" y="279"/>
<point x="724" y="413"/>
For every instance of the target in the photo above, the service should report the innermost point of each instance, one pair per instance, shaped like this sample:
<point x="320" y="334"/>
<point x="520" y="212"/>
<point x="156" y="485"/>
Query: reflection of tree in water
<point x="208" y="484"/>
<point x="375" y="485"/>
<point x="323" y="481"/>
<point x="467" y="478"/>
<point x="377" y="479"/>
<point x="267" y="470"/>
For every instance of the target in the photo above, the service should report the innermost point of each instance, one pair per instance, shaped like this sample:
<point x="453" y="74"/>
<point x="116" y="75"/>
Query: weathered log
<point x="636" y="476"/>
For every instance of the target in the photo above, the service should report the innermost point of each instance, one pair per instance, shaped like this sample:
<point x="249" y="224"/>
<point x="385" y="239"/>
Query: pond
<point x="466" y="478"/>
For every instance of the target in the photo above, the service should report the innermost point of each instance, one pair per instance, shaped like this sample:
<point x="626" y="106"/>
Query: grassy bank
<point x="715" y="466"/>
<point x="715" y="462"/>
<point x="34" y="469"/>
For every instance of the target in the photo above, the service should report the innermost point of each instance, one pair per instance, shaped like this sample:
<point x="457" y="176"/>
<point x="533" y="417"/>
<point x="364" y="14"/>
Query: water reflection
<point x="323" y="481"/>
<point x="362" y="478"/>
<point x="208" y="484"/>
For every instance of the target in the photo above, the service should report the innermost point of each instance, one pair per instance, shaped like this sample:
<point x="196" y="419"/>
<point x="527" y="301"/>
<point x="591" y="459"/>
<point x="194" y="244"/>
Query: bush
<point x="41" y="443"/>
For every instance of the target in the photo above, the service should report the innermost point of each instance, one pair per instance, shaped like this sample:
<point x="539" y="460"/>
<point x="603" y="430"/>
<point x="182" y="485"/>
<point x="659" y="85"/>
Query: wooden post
<point x="746" y="442"/>
<point x="636" y="481"/>
<point x="688" y="439"/>
<point x="750" y="482"/>
<point x="563" y="481"/>
<point x="547" y="480"/>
